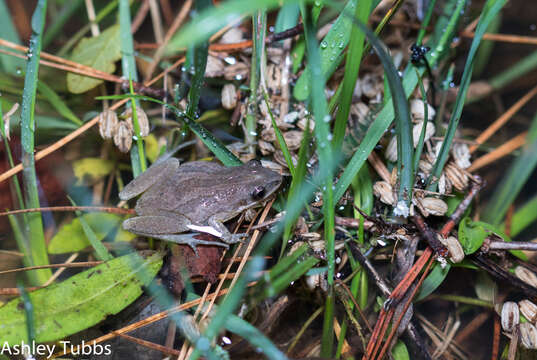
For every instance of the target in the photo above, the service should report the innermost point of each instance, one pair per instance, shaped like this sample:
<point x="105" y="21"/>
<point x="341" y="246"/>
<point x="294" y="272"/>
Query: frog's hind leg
<point x="166" y="228"/>
<point x="156" y="225"/>
<point x="154" y="174"/>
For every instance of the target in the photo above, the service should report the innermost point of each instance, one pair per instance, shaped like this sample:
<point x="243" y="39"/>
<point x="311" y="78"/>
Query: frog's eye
<point x="258" y="192"/>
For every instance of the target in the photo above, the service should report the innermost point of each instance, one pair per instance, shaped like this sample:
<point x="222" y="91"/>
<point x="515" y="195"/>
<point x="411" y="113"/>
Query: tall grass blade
<point x="443" y="33"/>
<point x="490" y="10"/>
<point x="128" y="65"/>
<point x="34" y="223"/>
<point x="514" y="179"/>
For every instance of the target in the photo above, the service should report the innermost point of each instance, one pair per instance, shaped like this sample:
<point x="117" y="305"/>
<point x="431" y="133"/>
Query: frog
<point x="196" y="196"/>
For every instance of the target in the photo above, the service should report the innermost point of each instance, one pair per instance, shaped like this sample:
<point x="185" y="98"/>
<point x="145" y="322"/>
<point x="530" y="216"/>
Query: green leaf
<point x="331" y="48"/>
<point x="400" y="352"/>
<point x="471" y="235"/>
<point x="91" y="169"/>
<point x="81" y="301"/>
<point x="100" y="52"/>
<point x="71" y="237"/>
<point x="433" y="281"/>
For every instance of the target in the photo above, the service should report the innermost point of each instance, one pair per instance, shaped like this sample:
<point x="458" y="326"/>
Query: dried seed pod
<point x="371" y="85"/>
<point x="274" y="78"/>
<point x="384" y="191"/>
<point x="528" y="309"/>
<point x="272" y="166"/>
<point x="123" y="137"/>
<point x="229" y="96"/>
<point x="456" y="253"/>
<point x="239" y="71"/>
<point x="425" y="166"/>
<point x="416" y="132"/>
<point x="444" y="185"/>
<point x="510" y="315"/>
<point x="143" y="121"/>
<point x="526" y="275"/>
<point x="265" y="147"/>
<point x="417" y="110"/>
<point x="432" y="206"/>
<point x="391" y="149"/>
<point x="293" y="139"/>
<point x="214" y="68"/>
<point x="528" y="335"/>
<point x="461" y="155"/>
<point x="233" y="35"/>
<point x="360" y="111"/>
<point x="108" y="124"/>
<point x="456" y="176"/>
<point x="303" y="122"/>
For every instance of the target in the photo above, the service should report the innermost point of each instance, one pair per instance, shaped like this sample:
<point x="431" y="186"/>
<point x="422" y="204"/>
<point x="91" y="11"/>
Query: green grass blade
<point x="9" y="63"/>
<point x="68" y="9"/>
<point x="514" y="179"/>
<point x="352" y="67"/>
<point x="255" y="337"/>
<point x="34" y="223"/>
<point x="403" y="124"/>
<point x="128" y="65"/>
<point x="490" y="11"/>
<point x="259" y="24"/>
<point x="56" y="101"/>
<point x="330" y="50"/>
<point x="287" y="17"/>
<point x="100" y="250"/>
<point x="421" y="140"/>
<point x="212" y="20"/>
<point x="524" y="217"/>
<point x="280" y="138"/>
<point x="443" y="33"/>
<point x="326" y="163"/>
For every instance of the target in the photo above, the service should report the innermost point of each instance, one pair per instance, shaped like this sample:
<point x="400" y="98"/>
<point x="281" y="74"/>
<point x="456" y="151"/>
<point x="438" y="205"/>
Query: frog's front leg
<point x="166" y="228"/>
<point x="217" y="223"/>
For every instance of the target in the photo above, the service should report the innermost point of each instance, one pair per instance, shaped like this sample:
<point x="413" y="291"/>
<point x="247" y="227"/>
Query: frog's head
<point x="260" y="183"/>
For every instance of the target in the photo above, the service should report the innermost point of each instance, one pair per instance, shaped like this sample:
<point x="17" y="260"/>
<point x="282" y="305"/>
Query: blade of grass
<point x="514" y="179"/>
<point x="419" y="147"/>
<point x="68" y="9"/>
<point x="489" y="12"/>
<point x="287" y="17"/>
<point x="403" y="125"/>
<point x="297" y="181"/>
<point x="8" y="32"/>
<point x="34" y="223"/>
<point x="327" y="162"/>
<point x="56" y="101"/>
<point x="212" y="20"/>
<point x="444" y="32"/>
<point x="258" y="65"/>
<point x="279" y="137"/>
<point x="100" y="250"/>
<point x="330" y="50"/>
<point x="128" y="65"/>
<point x="524" y="217"/>
<point x="352" y="67"/>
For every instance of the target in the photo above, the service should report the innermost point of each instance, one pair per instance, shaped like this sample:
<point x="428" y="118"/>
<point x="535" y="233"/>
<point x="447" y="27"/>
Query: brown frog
<point x="197" y="196"/>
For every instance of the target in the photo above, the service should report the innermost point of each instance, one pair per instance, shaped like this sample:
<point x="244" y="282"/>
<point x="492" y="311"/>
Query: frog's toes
<point x="234" y="238"/>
